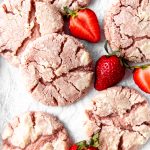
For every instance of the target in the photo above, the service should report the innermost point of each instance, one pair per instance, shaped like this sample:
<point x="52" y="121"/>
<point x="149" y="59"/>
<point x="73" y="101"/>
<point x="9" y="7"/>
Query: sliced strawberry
<point x="142" y="78"/>
<point x="84" y="25"/>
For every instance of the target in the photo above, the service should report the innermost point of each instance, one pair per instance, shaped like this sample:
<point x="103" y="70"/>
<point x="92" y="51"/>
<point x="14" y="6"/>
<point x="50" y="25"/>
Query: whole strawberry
<point x="109" y="71"/>
<point x="92" y="148"/>
<point x="93" y="144"/>
<point x="74" y="147"/>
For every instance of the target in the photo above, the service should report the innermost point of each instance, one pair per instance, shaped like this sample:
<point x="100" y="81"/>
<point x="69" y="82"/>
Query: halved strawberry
<point x="141" y="77"/>
<point x="84" y="24"/>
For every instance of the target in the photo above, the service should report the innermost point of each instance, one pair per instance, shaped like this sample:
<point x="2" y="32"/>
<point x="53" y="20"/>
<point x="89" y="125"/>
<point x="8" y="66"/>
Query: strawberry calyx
<point x="87" y="145"/>
<point x="94" y="140"/>
<point x="123" y="61"/>
<point x="115" y="53"/>
<point x="110" y="52"/>
<point x="143" y="67"/>
<point x="82" y="145"/>
<point x="140" y="67"/>
<point x="69" y="12"/>
<point x="73" y="13"/>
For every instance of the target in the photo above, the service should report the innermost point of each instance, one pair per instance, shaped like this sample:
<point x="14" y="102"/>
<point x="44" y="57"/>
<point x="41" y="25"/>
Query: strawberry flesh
<point x="85" y="26"/>
<point x="109" y="72"/>
<point x="142" y="78"/>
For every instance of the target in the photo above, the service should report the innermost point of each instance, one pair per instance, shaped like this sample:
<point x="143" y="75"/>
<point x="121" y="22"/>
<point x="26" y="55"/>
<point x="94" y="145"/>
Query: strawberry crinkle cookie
<point x="35" y="131"/>
<point x="122" y="118"/>
<point x="57" y="69"/>
<point x="21" y="22"/>
<point x="71" y="4"/>
<point x="127" y="28"/>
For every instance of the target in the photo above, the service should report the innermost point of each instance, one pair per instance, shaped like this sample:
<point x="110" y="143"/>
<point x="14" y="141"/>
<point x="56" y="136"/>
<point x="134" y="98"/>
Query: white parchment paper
<point x="15" y="100"/>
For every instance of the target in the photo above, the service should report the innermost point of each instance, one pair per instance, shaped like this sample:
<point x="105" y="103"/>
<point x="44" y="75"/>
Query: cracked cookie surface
<point x="127" y="28"/>
<point x="57" y="69"/>
<point x="22" y="21"/>
<point x="35" y="131"/>
<point x="122" y="116"/>
<point x="72" y="4"/>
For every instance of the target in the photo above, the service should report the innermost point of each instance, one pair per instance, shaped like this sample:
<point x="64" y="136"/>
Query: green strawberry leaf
<point x="95" y="140"/>
<point x="70" y="12"/>
<point x="82" y="145"/>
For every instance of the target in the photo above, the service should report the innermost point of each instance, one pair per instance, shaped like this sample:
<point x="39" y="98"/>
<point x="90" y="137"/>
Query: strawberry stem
<point x="142" y="67"/>
<point x="82" y="8"/>
<point x="107" y="48"/>
<point x="123" y="60"/>
<point x="70" y="12"/>
<point x="125" y="63"/>
<point x="114" y="53"/>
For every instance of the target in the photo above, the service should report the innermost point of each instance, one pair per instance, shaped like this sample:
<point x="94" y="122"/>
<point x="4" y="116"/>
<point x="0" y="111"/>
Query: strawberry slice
<point x="141" y="77"/>
<point x="84" y="24"/>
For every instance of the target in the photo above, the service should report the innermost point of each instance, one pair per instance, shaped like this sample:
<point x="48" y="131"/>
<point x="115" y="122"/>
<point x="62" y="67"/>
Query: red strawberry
<point x="142" y="78"/>
<point x="92" y="148"/>
<point x="84" y="24"/>
<point x="85" y="145"/>
<point x="74" y="147"/>
<point x="109" y="71"/>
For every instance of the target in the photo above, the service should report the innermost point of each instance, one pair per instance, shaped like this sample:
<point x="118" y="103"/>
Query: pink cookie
<point x="72" y="4"/>
<point x="35" y="131"/>
<point x="127" y="28"/>
<point x="122" y="116"/>
<point x="57" y="69"/>
<point x="22" y="21"/>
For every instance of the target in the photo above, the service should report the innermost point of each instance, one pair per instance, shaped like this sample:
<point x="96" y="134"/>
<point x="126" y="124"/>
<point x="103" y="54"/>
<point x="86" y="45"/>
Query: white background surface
<point x="15" y="100"/>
